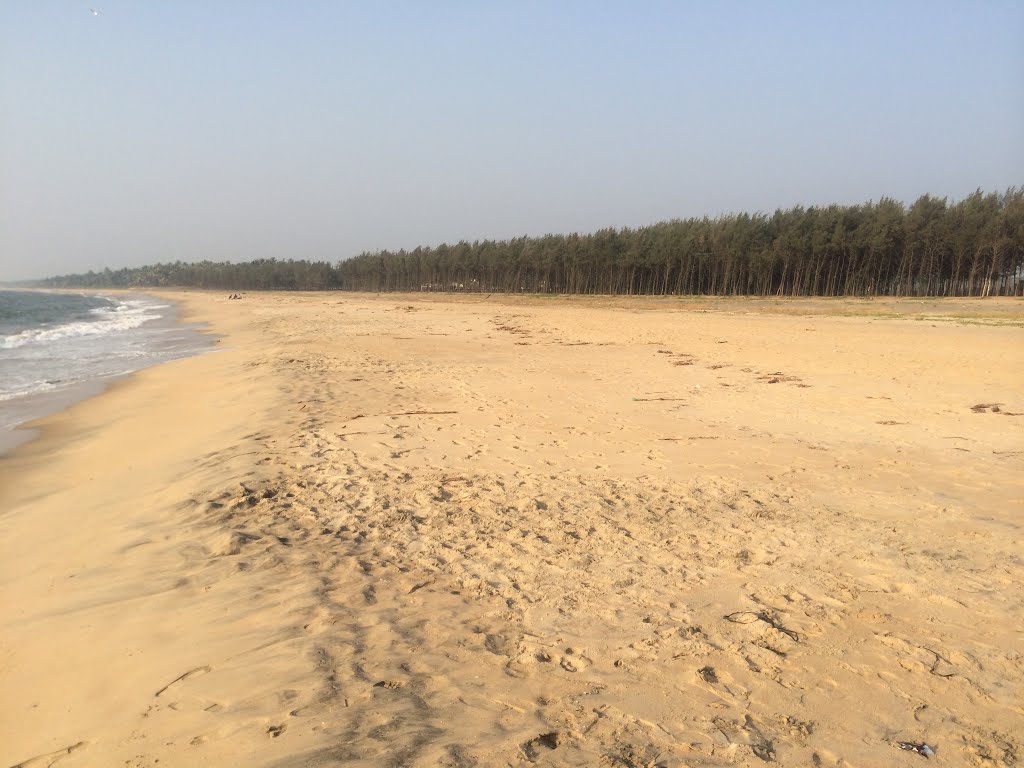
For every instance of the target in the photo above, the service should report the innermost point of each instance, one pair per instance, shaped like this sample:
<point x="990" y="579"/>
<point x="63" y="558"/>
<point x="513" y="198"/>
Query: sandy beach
<point x="419" y="530"/>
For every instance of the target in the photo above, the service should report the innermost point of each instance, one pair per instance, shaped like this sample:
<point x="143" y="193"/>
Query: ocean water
<point x="56" y="348"/>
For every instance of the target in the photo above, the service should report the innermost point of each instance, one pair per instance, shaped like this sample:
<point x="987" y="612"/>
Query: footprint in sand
<point x="391" y="685"/>
<point x="721" y="683"/>
<point x="574" y="660"/>
<point x="534" y="748"/>
<point x="993" y="408"/>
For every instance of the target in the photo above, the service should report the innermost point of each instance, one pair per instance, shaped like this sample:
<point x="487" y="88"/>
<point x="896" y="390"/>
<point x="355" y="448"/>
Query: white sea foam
<point x="125" y="316"/>
<point x="44" y="368"/>
<point x="33" y="388"/>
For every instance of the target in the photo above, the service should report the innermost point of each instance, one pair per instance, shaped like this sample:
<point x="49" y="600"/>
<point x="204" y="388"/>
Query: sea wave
<point x="124" y="316"/>
<point x="34" y="388"/>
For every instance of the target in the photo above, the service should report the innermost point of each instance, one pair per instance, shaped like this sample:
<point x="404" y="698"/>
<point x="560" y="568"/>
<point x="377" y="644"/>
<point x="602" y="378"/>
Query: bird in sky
<point x="95" y="12"/>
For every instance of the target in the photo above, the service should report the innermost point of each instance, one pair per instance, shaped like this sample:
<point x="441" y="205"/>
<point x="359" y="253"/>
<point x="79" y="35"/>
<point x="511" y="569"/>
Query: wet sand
<point x="467" y="531"/>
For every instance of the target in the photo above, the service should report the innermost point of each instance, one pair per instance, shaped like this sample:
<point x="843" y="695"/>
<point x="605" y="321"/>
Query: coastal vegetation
<point x="933" y="247"/>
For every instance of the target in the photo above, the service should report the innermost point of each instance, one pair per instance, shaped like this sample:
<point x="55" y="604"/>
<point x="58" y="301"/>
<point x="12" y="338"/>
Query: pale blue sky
<point x="198" y="129"/>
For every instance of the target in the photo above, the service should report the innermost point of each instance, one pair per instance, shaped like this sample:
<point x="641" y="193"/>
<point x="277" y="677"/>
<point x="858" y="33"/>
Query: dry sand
<point x="425" y="531"/>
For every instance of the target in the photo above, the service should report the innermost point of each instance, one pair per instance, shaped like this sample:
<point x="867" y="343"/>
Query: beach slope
<point x="458" y="531"/>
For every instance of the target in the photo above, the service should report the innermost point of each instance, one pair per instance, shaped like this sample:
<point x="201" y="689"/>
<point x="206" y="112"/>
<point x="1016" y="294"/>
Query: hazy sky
<point x="206" y="129"/>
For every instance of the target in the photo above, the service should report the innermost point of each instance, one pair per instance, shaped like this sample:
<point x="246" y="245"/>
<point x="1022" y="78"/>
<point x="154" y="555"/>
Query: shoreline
<point x="102" y="456"/>
<point x="394" y="528"/>
<point x="37" y="406"/>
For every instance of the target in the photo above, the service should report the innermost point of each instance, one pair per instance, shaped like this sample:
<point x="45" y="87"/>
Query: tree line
<point x="933" y="247"/>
